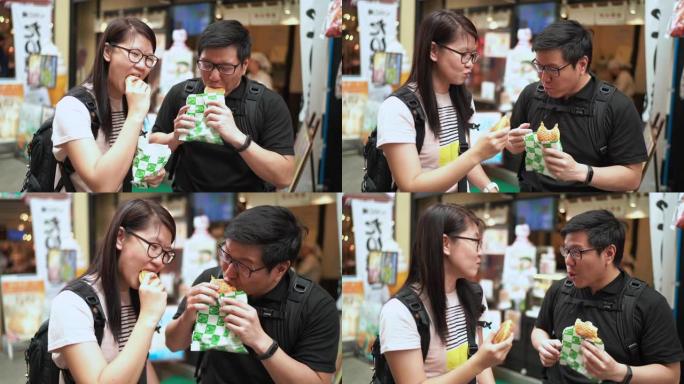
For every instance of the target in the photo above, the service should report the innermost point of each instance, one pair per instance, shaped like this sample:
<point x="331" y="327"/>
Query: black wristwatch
<point x="248" y="141"/>
<point x="628" y="376"/>
<point x="590" y="175"/>
<point x="269" y="352"/>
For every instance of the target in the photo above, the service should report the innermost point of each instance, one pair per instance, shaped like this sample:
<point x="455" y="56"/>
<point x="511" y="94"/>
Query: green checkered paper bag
<point x="534" y="159"/>
<point x="197" y="104"/>
<point x="149" y="160"/>
<point x="571" y="353"/>
<point x="210" y="331"/>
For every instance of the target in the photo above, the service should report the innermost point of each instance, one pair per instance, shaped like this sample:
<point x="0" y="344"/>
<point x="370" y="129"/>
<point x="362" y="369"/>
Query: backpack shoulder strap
<point x="600" y="101"/>
<point x="463" y="146"/>
<point x="410" y="299"/>
<point x="626" y="329"/>
<point x="471" y="330"/>
<point x="253" y="93"/>
<point x="192" y="86"/>
<point x="88" y="294"/>
<point x="85" y="97"/>
<point x="409" y="98"/>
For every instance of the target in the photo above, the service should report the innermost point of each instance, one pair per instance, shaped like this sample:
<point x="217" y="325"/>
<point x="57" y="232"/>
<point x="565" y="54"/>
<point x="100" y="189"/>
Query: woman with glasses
<point x="445" y="258"/>
<point x="139" y="238"/>
<point x="446" y="50"/>
<point x="96" y="149"/>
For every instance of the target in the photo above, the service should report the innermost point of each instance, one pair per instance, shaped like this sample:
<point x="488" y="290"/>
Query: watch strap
<point x="248" y="141"/>
<point x="590" y="175"/>
<point x="269" y="352"/>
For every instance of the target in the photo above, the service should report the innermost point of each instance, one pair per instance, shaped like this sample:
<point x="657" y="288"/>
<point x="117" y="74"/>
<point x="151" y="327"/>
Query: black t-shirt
<point x="655" y="326"/>
<point x="316" y="346"/>
<point x="622" y="132"/>
<point x="220" y="168"/>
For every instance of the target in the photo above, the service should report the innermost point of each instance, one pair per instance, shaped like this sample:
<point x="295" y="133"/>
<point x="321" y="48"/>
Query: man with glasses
<point x="634" y="321"/>
<point x="290" y="324"/>
<point x="600" y="129"/>
<point x="257" y="153"/>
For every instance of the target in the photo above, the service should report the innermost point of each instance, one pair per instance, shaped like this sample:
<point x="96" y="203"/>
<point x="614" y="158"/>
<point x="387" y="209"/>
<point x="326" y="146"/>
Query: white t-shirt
<point x="396" y="126"/>
<point x="71" y="322"/>
<point x="72" y="122"/>
<point x="398" y="332"/>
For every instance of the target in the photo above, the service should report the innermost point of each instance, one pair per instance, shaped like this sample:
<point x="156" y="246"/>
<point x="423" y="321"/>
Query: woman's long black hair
<point x="427" y="262"/>
<point x="117" y="32"/>
<point x="134" y="215"/>
<point x="441" y="27"/>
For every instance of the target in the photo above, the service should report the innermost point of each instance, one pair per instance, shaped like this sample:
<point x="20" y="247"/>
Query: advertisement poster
<point x="352" y="298"/>
<point x="23" y="301"/>
<point x="377" y="28"/>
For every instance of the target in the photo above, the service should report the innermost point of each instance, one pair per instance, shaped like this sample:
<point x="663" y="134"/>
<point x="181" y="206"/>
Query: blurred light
<point x="242" y="199"/>
<point x="356" y="47"/>
<point x="24" y="217"/>
<point x="20" y="227"/>
<point x="2" y="19"/>
<point x="27" y="237"/>
<point x="346" y="16"/>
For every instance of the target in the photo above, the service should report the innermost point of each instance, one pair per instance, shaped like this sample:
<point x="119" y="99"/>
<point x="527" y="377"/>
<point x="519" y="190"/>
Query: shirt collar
<point x="612" y="289"/>
<point x="587" y="92"/>
<point x="238" y="92"/>
<point x="279" y="292"/>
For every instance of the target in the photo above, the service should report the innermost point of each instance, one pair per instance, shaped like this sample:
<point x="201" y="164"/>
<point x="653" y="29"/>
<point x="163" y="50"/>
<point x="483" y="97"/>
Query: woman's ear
<point x="433" y="51"/>
<point x="107" y="54"/>
<point x="120" y="236"/>
<point x="446" y="243"/>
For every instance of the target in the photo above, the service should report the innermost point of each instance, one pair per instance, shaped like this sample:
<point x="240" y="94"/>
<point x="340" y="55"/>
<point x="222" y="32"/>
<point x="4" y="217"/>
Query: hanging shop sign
<point x="266" y="15"/>
<point x="377" y="30"/>
<point x="659" y="59"/>
<point x="57" y="255"/>
<point x="610" y="14"/>
<point x="32" y="33"/>
<point x="663" y="206"/>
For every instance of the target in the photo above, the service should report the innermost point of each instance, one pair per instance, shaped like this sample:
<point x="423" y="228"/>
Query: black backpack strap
<point x="88" y="294"/>
<point x="471" y="328"/>
<point x="409" y="98"/>
<point x="65" y="167"/>
<point x="600" y="102"/>
<point x="625" y="326"/>
<point x="252" y="95"/>
<point x="410" y="299"/>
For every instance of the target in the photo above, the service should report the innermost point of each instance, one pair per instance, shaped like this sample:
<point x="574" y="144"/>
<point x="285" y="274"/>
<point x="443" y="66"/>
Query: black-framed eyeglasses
<point x="474" y="239"/>
<point x="465" y="56"/>
<point x="155" y="250"/>
<point x="553" y="71"/>
<point x="575" y="253"/>
<point x="208" y="66"/>
<point x="243" y="269"/>
<point x="135" y="55"/>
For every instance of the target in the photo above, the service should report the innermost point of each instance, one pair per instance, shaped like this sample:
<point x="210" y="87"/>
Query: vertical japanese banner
<point x="377" y="30"/>
<point x="314" y="48"/>
<point x="662" y="207"/>
<point x="377" y="33"/>
<point x="659" y="59"/>
<point x="32" y="33"/>
<point x="56" y="262"/>
<point x="373" y="233"/>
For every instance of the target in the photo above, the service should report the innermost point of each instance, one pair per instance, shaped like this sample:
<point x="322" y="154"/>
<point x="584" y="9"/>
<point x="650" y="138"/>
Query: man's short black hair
<point x="275" y="229"/>
<point x="225" y="33"/>
<point x="602" y="228"/>
<point x="569" y="36"/>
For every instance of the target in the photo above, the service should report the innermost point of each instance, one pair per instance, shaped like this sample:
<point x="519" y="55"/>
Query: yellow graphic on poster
<point x="457" y="356"/>
<point x="448" y="153"/>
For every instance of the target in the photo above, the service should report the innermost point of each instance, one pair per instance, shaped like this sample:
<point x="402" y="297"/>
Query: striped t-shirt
<point x="128" y="319"/>
<point x="448" y="133"/>
<point x="118" y="119"/>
